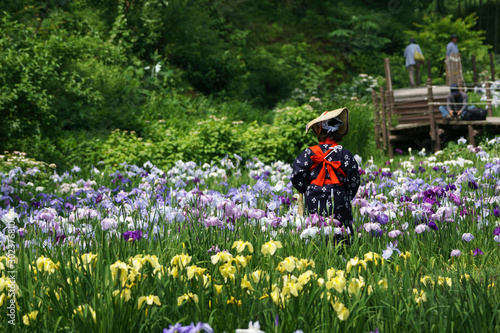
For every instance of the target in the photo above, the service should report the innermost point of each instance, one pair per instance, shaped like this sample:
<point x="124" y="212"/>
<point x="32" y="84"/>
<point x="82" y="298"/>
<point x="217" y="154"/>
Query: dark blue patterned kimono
<point x="318" y="199"/>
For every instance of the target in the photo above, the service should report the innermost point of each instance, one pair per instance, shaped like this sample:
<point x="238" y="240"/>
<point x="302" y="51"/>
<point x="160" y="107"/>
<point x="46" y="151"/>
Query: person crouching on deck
<point x="328" y="173"/>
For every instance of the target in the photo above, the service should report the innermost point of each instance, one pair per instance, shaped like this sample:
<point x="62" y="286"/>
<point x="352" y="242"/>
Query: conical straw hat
<point x="342" y="114"/>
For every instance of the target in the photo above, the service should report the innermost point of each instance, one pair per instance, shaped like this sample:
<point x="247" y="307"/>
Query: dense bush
<point x="73" y="71"/>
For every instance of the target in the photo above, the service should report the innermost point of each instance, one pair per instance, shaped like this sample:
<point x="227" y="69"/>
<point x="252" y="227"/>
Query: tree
<point x="434" y="34"/>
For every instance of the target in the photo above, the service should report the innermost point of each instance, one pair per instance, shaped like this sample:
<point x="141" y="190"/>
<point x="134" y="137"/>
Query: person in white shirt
<point x="411" y="63"/>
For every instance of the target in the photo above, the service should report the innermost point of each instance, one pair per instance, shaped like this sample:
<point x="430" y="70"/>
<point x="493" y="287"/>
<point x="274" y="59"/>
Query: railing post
<point x="492" y="66"/>
<point x="388" y="107"/>
<point x="384" y="121"/>
<point x="388" y="103"/>
<point x="388" y="79"/>
<point x="429" y="69"/>
<point x="376" y="118"/>
<point x="488" y="97"/>
<point x="417" y="74"/>
<point x="434" y="133"/>
<point x="472" y="138"/>
<point x="474" y="70"/>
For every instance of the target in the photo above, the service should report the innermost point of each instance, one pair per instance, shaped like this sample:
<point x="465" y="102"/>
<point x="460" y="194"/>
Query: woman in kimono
<point x="327" y="173"/>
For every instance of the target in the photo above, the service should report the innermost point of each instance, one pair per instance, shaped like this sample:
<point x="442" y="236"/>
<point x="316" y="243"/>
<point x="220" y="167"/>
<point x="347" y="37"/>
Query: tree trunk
<point x="480" y="14"/>
<point x="496" y="28"/>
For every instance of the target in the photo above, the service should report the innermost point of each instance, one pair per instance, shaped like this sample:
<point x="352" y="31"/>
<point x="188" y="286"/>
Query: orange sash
<point x="319" y="158"/>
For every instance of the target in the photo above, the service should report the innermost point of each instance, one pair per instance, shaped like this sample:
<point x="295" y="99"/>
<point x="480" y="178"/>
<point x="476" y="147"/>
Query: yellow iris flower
<point x="245" y="284"/>
<point x="46" y="265"/>
<point x="189" y="297"/>
<point x="304" y="263"/>
<point x="119" y="269"/>
<point x="30" y="317"/>
<point x="227" y="270"/>
<point x="191" y="271"/>
<point x="125" y="294"/>
<point x="444" y="280"/>
<point x="234" y="301"/>
<point x="289" y="263"/>
<point x="243" y="261"/>
<point x="218" y="288"/>
<point x="338" y="283"/>
<point x="149" y="300"/>
<point x="180" y="260"/>
<point x="427" y="281"/>
<point x="305" y="277"/>
<point x="355" y="285"/>
<point x="221" y="256"/>
<point x="419" y="297"/>
<point x="240" y="246"/>
<point x="354" y="262"/>
<point x="271" y="247"/>
<point x="85" y="308"/>
<point x="342" y="311"/>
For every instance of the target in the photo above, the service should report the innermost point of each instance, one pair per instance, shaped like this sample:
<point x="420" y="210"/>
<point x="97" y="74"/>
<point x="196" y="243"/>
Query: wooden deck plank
<point x="420" y="93"/>
<point x="493" y="121"/>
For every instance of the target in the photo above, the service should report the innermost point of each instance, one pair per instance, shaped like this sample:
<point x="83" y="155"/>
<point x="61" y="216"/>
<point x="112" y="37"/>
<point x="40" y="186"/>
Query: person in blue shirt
<point x="411" y="63"/>
<point x="452" y="46"/>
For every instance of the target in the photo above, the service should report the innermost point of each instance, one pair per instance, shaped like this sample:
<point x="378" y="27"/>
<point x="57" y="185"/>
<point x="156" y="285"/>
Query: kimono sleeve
<point x="300" y="171"/>
<point x="352" y="172"/>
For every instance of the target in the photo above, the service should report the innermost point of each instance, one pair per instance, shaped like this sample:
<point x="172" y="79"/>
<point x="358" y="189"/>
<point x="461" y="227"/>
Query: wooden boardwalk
<point x="412" y="115"/>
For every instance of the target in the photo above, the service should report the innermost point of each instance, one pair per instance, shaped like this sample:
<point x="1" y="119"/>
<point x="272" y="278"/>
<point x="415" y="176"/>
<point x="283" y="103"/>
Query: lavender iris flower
<point x="192" y="328"/>
<point x="467" y="237"/>
<point x="391" y="247"/>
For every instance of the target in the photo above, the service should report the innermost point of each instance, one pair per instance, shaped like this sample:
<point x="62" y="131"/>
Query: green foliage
<point x="291" y="123"/>
<point x="434" y="34"/>
<point x="359" y="88"/>
<point x="73" y="71"/>
<point x="212" y="139"/>
<point x="277" y="71"/>
<point x="265" y="142"/>
<point x="59" y="81"/>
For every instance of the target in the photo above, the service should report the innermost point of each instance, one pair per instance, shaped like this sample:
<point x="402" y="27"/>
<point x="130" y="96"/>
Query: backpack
<point x="474" y="114"/>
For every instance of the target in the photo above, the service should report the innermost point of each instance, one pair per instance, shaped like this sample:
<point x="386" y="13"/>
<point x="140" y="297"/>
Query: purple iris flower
<point x="496" y="212"/>
<point x="382" y="219"/>
<point x="433" y="225"/>
<point x="132" y="235"/>
<point x="496" y="232"/>
<point x="377" y="233"/>
<point x="473" y="185"/>
<point x="60" y="238"/>
<point x="451" y="187"/>
<point x="477" y="252"/>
